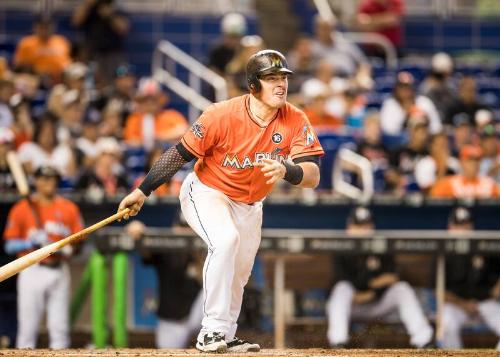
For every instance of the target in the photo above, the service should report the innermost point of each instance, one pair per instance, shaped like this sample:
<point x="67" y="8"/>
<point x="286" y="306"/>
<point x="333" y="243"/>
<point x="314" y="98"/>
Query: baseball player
<point x="243" y="146"/>
<point x="368" y="287"/>
<point x="472" y="287"/>
<point x="32" y="223"/>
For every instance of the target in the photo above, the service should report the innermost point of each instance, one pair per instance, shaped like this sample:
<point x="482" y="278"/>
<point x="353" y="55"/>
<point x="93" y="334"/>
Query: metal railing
<point x="166" y="57"/>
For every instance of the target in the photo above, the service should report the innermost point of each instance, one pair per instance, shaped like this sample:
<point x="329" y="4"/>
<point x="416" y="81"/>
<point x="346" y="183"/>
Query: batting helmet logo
<point x="263" y="63"/>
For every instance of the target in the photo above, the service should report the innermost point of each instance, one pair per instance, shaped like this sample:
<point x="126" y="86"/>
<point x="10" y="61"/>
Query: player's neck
<point x="261" y="113"/>
<point x="43" y="199"/>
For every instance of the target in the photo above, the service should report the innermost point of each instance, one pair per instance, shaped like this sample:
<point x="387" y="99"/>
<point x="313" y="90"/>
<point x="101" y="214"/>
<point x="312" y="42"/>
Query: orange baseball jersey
<point x="59" y="218"/>
<point x="227" y="141"/>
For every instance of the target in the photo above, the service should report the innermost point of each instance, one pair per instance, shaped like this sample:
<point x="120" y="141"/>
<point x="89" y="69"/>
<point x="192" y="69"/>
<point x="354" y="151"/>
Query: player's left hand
<point x="272" y="169"/>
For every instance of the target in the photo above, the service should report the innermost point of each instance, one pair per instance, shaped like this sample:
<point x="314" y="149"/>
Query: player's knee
<point x="228" y="240"/>
<point x="403" y="288"/>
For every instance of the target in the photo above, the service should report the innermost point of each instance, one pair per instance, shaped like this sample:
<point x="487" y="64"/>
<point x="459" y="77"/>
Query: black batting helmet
<point x="262" y="63"/>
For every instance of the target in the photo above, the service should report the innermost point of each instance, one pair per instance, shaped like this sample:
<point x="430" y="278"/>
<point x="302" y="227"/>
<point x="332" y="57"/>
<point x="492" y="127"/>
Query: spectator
<point x="462" y="132"/>
<point x="466" y="103"/>
<point x="370" y="145"/>
<point x="472" y="287"/>
<point x="301" y="61"/>
<point x="316" y="94"/>
<point x="111" y="124"/>
<point x="7" y="90"/>
<point x="400" y="177"/>
<point x="22" y="126"/>
<point x="438" y="164"/>
<point x="6" y="144"/>
<point x="469" y="184"/>
<point x="27" y="84"/>
<point x="490" y="163"/>
<point x="346" y="58"/>
<point x="105" y="28"/>
<point x="121" y="96"/>
<point x="46" y="150"/>
<point x="438" y="85"/>
<point x="46" y="53"/>
<point x="383" y="17"/>
<point x="86" y="144"/>
<point x="403" y="102"/>
<point x="44" y="287"/>
<point x="233" y="27"/>
<point x="368" y="287"/>
<point x="151" y="123"/>
<point x="70" y="121"/>
<point x="73" y="80"/>
<point x="180" y="308"/>
<point x="106" y="178"/>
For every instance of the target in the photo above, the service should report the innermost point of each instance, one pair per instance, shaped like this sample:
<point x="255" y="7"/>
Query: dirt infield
<point x="264" y="353"/>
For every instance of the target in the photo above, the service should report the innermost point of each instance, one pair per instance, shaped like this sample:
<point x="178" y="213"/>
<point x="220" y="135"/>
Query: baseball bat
<point x="34" y="257"/>
<point x="16" y="169"/>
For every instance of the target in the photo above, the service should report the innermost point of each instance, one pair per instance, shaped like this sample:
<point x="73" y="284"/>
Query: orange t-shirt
<point x="458" y="186"/>
<point x="49" y="57"/>
<point x="227" y="141"/>
<point x="167" y="125"/>
<point x="59" y="218"/>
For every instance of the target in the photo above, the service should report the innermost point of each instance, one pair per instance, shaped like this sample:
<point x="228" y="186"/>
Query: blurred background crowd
<point x="72" y="96"/>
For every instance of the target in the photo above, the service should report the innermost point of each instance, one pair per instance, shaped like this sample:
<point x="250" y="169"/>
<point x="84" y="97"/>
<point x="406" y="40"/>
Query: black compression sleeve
<point x="164" y="169"/>
<point x="294" y="173"/>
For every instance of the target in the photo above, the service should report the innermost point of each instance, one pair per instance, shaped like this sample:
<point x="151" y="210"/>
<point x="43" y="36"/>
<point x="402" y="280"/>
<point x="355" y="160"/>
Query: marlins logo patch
<point x="197" y="129"/>
<point x="277" y="138"/>
<point x="308" y="134"/>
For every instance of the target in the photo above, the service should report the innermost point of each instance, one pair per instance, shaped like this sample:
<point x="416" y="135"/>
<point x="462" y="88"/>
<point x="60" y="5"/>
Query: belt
<point x="53" y="265"/>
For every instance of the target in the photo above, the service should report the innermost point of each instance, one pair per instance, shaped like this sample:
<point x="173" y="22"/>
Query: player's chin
<point x="278" y="101"/>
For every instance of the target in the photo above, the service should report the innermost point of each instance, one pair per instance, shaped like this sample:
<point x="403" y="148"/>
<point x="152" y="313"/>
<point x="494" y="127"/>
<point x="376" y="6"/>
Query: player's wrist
<point x="293" y="173"/>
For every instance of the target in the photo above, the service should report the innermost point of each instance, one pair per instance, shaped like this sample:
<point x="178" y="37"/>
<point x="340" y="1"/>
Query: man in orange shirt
<point x="468" y="184"/>
<point x="34" y="222"/>
<point x="243" y="146"/>
<point x="46" y="53"/>
<point x="152" y="123"/>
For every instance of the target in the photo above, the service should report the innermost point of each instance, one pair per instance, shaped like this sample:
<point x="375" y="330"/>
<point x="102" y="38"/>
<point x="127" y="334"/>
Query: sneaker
<point x="212" y="342"/>
<point x="237" y="345"/>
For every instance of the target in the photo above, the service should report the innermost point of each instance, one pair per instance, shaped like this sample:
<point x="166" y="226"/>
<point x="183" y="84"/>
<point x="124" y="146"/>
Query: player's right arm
<point x="15" y="242"/>
<point x="162" y="171"/>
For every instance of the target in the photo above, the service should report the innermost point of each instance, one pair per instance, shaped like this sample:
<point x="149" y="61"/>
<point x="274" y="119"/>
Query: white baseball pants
<point x="400" y="297"/>
<point x="454" y="319"/>
<point x="39" y="288"/>
<point x="176" y="333"/>
<point x="232" y="232"/>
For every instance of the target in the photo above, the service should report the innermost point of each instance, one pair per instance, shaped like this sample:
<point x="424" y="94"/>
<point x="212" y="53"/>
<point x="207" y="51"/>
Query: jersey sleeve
<point x="305" y="142"/>
<point x="14" y="227"/>
<point x="203" y="134"/>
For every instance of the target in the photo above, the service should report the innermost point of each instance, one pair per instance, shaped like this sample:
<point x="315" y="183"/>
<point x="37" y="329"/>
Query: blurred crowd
<point x="79" y="106"/>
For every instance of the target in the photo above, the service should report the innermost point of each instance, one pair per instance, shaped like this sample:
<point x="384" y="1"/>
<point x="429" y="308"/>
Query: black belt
<point x="52" y="265"/>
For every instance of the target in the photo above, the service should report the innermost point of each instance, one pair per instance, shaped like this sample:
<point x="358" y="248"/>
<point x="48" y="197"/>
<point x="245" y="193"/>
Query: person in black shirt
<point x="105" y="28"/>
<point x="180" y="298"/>
<point x="367" y="286"/>
<point x="467" y="102"/>
<point x="472" y="287"/>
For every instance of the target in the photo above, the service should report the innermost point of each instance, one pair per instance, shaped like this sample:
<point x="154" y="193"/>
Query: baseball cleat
<point x="237" y="345"/>
<point x="212" y="342"/>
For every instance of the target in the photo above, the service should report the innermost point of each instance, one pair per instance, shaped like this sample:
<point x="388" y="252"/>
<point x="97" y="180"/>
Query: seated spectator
<point x="6" y="144"/>
<point x="400" y="176"/>
<point x="105" y="28"/>
<point x="73" y="80"/>
<point x="45" y="149"/>
<point x="151" y="123"/>
<point x="490" y="163"/>
<point x="403" y="102"/>
<point x="438" y="85"/>
<point x="86" y="144"/>
<point x="46" y="53"/>
<point x="462" y="132"/>
<point x="383" y="17"/>
<point x="469" y="184"/>
<point x="120" y="97"/>
<point x="472" y="287"/>
<point x="370" y="145"/>
<point x="316" y="95"/>
<point x="111" y="124"/>
<point x="233" y="27"/>
<point x="106" y="177"/>
<point x="438" y="164"/>
<point x="300" y="59"/>
<point x="22" y="126"/>
<point x="466" y="103"/>
<point x="70" y="121"/>
<point x="7" y="90"/>
<point x="27" y="84"/>
<point x="236" y="69"/>
<point x="368" y="287"/>
<point x="328" y="43"/>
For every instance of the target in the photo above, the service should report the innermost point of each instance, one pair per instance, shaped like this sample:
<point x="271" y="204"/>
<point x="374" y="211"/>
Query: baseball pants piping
<point x="232" y="232"/>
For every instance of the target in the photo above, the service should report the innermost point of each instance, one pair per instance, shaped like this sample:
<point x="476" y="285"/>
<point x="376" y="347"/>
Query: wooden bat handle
<point x="34" y="257"/>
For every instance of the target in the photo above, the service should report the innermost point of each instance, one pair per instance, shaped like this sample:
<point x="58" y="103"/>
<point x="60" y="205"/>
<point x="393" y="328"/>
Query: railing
<point x="165" y="58"/>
